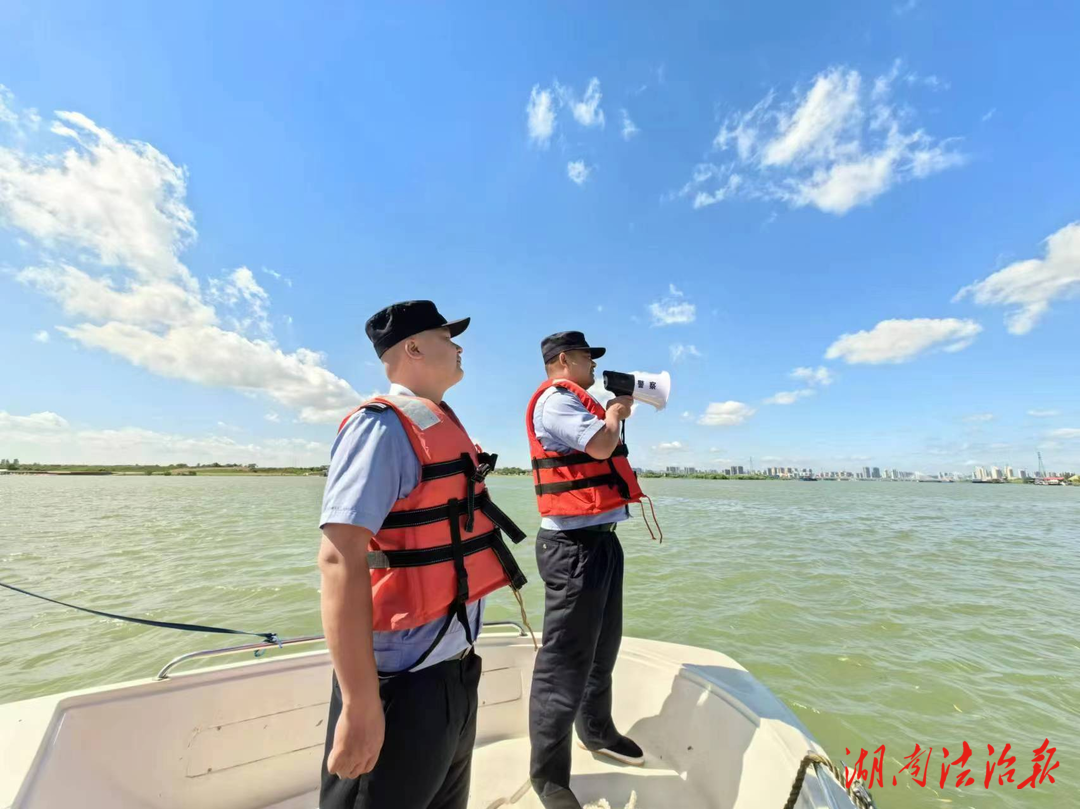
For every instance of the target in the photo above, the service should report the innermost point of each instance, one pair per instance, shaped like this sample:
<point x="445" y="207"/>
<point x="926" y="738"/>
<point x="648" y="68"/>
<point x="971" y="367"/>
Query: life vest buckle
<point x="485" y="466"/>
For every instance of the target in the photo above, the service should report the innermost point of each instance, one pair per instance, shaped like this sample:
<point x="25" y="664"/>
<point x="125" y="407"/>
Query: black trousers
<point x="426" y="758"/>
<point x="571" y="686"/>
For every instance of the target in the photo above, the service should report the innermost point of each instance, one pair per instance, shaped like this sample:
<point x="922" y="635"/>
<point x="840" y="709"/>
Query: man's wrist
<point x="361" y="695"/>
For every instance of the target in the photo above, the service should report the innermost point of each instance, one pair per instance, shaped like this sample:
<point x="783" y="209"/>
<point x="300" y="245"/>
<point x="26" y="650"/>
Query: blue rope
<point x="269" y="637"/>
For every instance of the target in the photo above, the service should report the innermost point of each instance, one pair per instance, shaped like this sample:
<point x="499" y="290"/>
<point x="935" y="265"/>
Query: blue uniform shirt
<point x="372" y="465"/>
<point x="564" y="425"/>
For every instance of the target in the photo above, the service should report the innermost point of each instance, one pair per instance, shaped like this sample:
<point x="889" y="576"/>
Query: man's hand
<point x="358" y="738"/>
<point x="620" y="407"/>
<point x="603" y="443"/>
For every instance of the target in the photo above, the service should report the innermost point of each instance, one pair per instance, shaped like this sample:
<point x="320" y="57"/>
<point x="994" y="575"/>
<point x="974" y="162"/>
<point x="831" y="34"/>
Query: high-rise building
<point x="1023" y="474"/>
<point x="866" y="471"/>
<point x="877" y="472"/>
<point x="1009" y="472"/>
<point x="995" y="473"/>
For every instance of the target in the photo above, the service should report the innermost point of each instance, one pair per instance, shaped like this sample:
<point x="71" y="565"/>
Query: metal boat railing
<point x="260" y="648"/>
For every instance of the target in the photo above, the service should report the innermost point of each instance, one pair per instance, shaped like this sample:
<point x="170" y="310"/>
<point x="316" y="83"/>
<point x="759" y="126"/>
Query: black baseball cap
<point x="391" y="325"/>
<point x="554" y="344"/>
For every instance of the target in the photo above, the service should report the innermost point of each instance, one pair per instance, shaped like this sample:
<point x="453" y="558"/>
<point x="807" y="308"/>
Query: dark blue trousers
<point x="571" y="686"/>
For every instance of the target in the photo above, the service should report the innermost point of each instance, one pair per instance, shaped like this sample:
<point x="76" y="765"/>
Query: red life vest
<point x="576" y="484"/>
<point x="441" y="546"/>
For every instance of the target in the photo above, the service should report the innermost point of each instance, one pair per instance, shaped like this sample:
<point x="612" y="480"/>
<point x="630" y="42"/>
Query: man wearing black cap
<point x="403" y="704"/>
<point x="584" y="485"/>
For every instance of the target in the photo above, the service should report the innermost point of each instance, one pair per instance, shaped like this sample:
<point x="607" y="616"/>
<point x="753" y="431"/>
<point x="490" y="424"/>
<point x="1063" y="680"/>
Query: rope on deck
<point x="857" y="792"/>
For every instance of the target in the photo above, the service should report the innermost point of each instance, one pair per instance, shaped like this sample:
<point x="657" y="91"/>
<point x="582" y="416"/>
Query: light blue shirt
<point x="372" y="465"/>
<point x="564" y="425"/>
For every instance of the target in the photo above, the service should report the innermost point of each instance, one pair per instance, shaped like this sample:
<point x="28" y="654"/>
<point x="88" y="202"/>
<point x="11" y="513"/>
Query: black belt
<point x="604" y="528"/>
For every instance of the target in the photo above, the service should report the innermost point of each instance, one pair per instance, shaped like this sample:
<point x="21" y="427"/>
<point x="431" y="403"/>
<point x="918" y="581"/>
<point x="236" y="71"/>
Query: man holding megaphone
<point x="584" y="485"/>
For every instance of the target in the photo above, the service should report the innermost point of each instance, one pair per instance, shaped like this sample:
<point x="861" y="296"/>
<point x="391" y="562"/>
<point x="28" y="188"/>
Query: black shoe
<point x="624" y="750"/>
<point x="555" y="797"/>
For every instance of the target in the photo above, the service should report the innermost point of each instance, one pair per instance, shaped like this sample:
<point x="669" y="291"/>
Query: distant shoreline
<point x="237" y="470"/>
<point x="135" y="470"/>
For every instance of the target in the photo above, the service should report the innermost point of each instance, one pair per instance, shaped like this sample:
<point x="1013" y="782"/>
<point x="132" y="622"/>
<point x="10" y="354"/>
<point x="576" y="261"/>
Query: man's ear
<point x="412" y="349"/>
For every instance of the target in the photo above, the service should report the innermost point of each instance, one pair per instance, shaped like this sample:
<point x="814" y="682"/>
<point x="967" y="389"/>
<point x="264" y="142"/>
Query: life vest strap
<point x="575" y="458"/>
<point x="450" y="616"/>
<point x="455" y="552"/>
<point x="427" y="516"/>
<point x="420" y="557"/>
<point x="610" y="479"/>
<point x="461" y="466"/>
<point x="497" y="516"/>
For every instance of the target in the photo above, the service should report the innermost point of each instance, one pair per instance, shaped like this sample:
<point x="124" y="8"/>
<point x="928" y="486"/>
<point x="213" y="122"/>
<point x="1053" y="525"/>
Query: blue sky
<point x="201" y="205"/>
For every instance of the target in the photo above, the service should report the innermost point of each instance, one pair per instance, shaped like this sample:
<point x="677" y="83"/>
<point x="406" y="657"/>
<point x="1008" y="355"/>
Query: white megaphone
<point x="654" y="389"/>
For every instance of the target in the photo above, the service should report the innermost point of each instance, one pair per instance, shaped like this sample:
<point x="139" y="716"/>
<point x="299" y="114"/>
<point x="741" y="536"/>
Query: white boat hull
<point x="251" y="735"/>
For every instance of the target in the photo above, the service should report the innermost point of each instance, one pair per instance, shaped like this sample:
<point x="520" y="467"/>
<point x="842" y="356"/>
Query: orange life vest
<point x="441" y="546"/>
<point x="576" y="484"/>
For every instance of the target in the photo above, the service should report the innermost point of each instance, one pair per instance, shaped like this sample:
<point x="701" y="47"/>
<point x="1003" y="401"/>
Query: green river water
<point x="882" y="613"/>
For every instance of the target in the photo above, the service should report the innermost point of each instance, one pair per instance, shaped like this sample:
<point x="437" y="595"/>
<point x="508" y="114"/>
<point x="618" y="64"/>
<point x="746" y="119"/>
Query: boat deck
<point x="504" y="781"/>
<point x="251" y="736"/>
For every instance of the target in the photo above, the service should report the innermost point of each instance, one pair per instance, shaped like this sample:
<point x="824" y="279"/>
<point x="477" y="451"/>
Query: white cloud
<point x="109" y="219"/>
<point x="902" y="340"/>
<point x="989" y="114"/>
<point x="214" y="357"/>
<point x="48" y="438"/>
<point x="905" y="6"/>
<point x="21" y="123"/>
<point x="836" y="145"/>
<point x="278" y="276"/>
<point x="814" y="376"/>
<point x="240" y="291"/>
<point x="979" y="417"/>
<point x="1044" y="414"/>
<point x="1065" y="432"/>
<point x="725" y="414"/>
<point x="272" y="417"/>
<point x="129" y="300"/>
<point x="577" y="171"/>
<point x="121" y="201"/>
<point x="629" y="128"/>
<point x="540" y="112"/>
<point x="670" y="446"/>
<point x="7" y="114"/>
<point x="41" y="336"/>
<point x="43" y="422"/>
<point x="680" y="352"/>
<point x="672" y="309"/>
<point x="931" y="82"/>
<point x="586" y="110"/>
<point x="703" y="175"/>
<point x="786" y="397"/>
<point x="1031" y="285"/>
